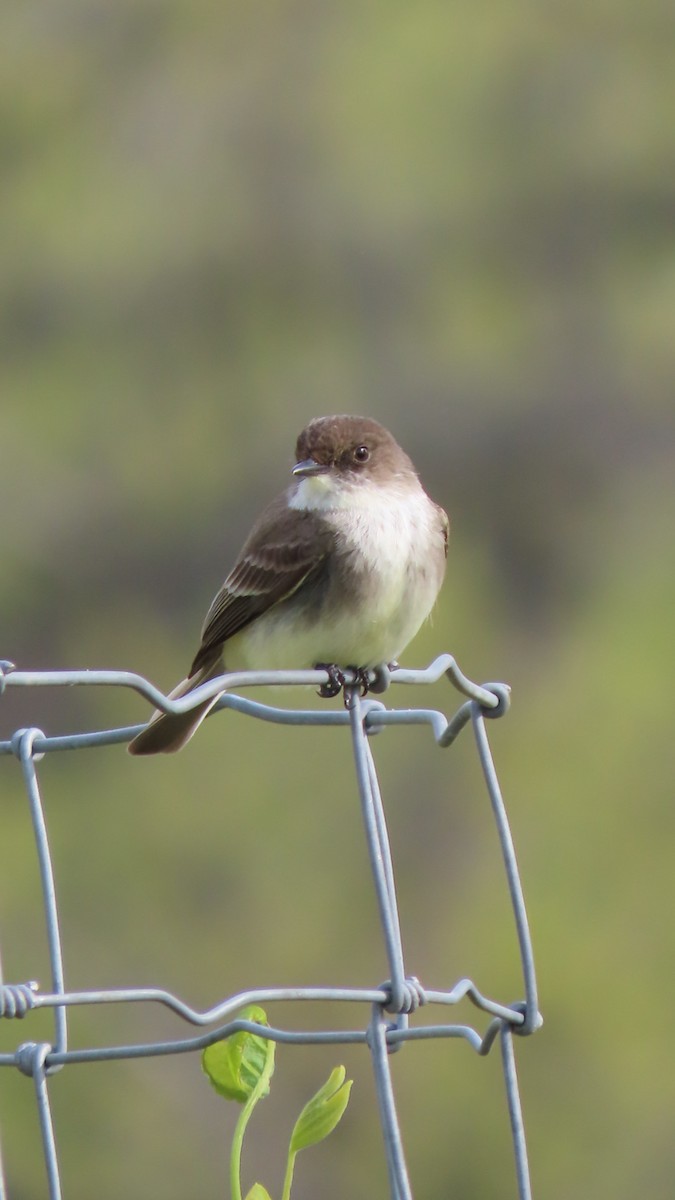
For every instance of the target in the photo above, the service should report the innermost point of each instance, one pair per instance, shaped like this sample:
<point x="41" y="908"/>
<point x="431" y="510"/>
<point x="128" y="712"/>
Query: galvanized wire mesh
<point x="391" y="1005"/>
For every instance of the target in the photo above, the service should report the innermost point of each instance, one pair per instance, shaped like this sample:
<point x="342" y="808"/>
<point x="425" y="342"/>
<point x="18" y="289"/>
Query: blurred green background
<point x="219" y="221"/>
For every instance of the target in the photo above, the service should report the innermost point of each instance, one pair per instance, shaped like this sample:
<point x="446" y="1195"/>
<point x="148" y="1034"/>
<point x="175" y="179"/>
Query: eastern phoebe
<point x="340" y="570"/>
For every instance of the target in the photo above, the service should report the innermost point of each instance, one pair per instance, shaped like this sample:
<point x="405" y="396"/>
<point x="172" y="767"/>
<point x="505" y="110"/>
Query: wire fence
<point x="391" y="1005"/>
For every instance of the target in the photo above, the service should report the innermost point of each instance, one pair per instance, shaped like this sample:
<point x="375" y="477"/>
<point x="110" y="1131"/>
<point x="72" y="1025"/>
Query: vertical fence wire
<point x="25" y="741"/>
<point x="379" y="851"/>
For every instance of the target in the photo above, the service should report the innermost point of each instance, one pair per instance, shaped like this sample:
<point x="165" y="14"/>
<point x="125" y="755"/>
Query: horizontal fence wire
<point x="390" y="1005"/>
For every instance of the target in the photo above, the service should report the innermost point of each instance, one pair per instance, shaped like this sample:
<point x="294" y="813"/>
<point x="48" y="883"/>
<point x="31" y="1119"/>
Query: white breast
<point x="401" y="545"/>
<point x="397" y="541"/>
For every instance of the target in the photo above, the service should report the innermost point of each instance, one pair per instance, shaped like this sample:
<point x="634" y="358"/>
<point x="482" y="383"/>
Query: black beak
<point x="309" y="466"/>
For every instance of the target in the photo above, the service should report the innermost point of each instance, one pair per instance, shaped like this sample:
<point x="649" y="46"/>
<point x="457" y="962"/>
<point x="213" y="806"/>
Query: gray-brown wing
<point x="284" y="547"/>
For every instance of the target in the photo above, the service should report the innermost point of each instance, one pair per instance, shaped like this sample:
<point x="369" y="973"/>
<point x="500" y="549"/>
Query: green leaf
<point x="258" y="1192"/>
<point x="322" y="1113"/>
<point x="235" y="1065"/>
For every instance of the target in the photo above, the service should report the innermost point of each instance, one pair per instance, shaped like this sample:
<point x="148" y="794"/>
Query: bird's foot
<point x="361" y="679"/>
<point x="336" y="680"/>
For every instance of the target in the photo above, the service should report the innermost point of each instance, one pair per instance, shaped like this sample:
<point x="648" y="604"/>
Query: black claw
<point x="362" y="679"/>
<point x="336" y="680"/>
<point x="361" y="685"/>
<point x="334" y="683"/>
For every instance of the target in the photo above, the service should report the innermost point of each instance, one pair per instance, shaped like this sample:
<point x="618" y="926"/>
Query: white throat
<point x="321" y="493"/>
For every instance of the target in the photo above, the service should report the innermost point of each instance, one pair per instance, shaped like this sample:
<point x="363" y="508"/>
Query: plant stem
<point x="288" y="1177"/>
<point x="260" y="1089"/>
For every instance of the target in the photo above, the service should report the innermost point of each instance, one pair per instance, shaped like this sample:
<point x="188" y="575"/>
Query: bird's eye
<point x="361" y="454"/>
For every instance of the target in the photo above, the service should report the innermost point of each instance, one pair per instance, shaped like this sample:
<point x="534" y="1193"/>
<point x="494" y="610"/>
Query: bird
<point x="339" y="571"/>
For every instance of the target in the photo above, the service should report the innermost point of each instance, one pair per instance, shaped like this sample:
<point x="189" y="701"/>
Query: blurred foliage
<point x="218" y="222"/>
